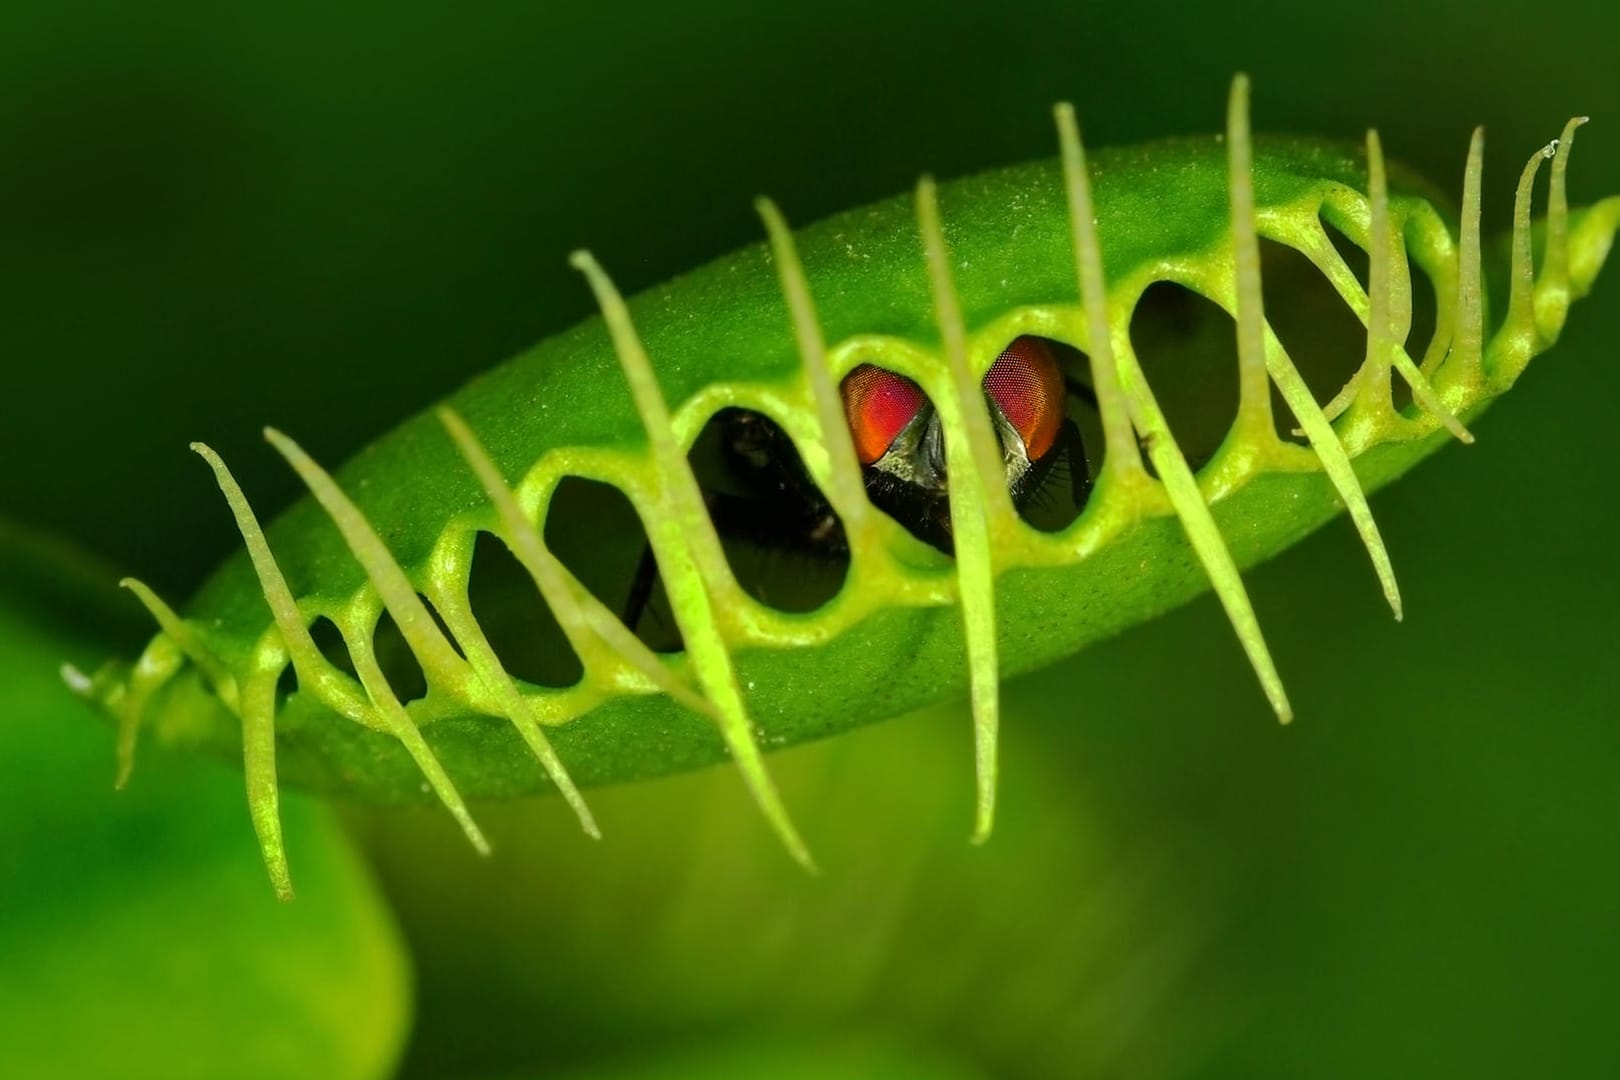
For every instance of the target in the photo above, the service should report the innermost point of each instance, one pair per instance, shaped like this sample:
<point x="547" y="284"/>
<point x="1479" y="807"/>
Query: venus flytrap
<point x="933" y="289"/>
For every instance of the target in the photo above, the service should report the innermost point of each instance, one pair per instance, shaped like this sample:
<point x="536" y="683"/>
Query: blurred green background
<point x="216" y="217"/>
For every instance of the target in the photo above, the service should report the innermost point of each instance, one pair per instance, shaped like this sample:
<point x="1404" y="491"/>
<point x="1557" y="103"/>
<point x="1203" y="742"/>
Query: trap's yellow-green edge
<point x="932" y="287"/>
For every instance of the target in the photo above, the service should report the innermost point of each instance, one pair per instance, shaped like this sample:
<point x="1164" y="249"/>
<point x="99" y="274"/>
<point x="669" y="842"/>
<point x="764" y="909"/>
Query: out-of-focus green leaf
<point x="845" y="1060"/>
<point x="138" y="937"/>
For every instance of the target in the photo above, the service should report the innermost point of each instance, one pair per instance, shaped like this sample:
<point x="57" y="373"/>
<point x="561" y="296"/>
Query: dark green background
<point x="215" y="218"/>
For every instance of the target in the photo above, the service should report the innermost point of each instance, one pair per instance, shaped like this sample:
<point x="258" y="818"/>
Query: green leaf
<point x="138" y="937"/>
<point x="786" y="1060"/>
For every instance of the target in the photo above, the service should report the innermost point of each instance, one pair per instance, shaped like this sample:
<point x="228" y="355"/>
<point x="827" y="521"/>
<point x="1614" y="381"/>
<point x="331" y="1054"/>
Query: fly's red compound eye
<point x="879" y="405"/>
<point x="1027" y="384"/>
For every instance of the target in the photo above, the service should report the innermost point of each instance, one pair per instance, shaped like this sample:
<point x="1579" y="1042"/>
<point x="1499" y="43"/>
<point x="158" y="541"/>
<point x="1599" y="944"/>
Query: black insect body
<point x="760" y="495"/>
<point x="762" y="502"/>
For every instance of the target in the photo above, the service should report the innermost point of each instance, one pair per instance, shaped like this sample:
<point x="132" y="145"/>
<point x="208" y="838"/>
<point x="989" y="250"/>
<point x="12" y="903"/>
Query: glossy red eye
<point x="1027" y="383"/>
<point x="879" y="405"/>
